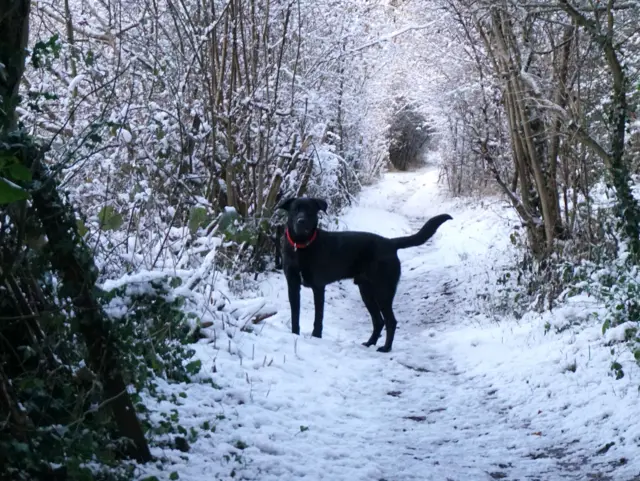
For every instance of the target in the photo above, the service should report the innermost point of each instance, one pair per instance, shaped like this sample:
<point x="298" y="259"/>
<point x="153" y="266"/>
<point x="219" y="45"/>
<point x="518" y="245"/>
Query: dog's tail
<point x="423" y="234"/>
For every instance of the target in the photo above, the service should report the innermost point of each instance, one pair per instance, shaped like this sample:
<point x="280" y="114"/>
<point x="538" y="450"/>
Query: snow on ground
<point x="461" y="397"/>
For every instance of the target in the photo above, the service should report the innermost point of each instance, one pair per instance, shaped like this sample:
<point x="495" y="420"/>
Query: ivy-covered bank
<point x="71" y="377"/>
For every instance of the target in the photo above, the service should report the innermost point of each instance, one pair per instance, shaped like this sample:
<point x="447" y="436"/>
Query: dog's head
<point x="302" y="214"/>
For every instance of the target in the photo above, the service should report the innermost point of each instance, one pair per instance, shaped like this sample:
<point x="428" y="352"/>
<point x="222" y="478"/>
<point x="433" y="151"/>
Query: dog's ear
<point x="285" y="204"/>
<point x="322" y="204"/>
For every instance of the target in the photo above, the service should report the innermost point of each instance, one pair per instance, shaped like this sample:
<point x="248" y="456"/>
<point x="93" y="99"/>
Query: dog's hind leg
<point x="318" y="302"/>
<point x="390" y="324"/>
<point x="385" y="292"/>
<point x="376" y="317"/>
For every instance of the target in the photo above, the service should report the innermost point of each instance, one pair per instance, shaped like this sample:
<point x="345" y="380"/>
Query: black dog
<point x="315" y="258"/>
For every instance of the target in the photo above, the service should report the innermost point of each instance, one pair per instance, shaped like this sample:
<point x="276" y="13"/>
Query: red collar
<point x="300" y="245"/>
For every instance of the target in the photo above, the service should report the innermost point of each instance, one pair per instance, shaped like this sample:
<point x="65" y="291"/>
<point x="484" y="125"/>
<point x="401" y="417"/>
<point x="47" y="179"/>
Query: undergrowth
<point x="73" y="436"/>
<point x="600" y="270"/>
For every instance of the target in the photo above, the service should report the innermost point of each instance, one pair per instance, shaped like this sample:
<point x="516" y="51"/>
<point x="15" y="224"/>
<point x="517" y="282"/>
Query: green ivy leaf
<point x="18" y="171"/>
<point x="617" y="368"/>
<point x="110" y="218"/>
<point x="227" y="219"/>
<point x="194" y="367"/>
<point x="89" y="58"/>
<point x="82" y="229"/>
<point x="197" y="218"/>
<point x="10" y="192"/>
<point x="43" y="48"/>
<point x="7" y="160"/>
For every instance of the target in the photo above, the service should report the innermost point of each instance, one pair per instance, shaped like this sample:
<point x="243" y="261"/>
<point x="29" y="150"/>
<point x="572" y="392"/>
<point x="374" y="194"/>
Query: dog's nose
<point x="300" y="221"/>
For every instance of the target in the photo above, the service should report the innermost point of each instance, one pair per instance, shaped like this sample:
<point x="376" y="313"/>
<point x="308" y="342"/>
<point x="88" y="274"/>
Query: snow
<point x="618" y="333"/>
<point x="531" y="81"/>
<point x="126" y="136"/>
<point x="10" y="184"/>
<point x="466" y="394"/>
<point x="75" y="82"/>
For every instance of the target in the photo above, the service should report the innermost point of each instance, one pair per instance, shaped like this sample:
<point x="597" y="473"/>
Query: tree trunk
<point x="14" y="32"/>
<point x="628" y="210"/>
<point x="542" y="221"/>
<point x="72" y="258"/>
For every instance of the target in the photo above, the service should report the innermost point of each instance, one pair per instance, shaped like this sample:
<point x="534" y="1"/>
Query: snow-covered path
<point x="458" y="398"/>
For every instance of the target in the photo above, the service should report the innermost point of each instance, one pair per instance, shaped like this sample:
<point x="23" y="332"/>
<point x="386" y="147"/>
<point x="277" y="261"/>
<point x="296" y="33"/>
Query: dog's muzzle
<point x="301" y="226"/>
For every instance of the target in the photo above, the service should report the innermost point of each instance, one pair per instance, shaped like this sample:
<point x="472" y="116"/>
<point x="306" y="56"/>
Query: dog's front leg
<point x="318" y="302"/>
<point x="293" y="285"/>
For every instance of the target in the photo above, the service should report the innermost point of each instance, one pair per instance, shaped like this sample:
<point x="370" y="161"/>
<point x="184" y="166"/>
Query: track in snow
<point x="334" y="410"/>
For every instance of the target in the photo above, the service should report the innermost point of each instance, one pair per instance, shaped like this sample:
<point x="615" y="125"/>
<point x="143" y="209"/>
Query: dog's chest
<point x="306" y="274"/>
<point x="305" y="264"/>
<point x="307" y="280"/>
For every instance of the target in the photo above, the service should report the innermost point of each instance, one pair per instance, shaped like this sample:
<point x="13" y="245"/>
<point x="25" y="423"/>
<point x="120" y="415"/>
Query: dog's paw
<point x="316" y="334"/>
<point x="384" y="349"/>
<point x="367" y="344"/>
